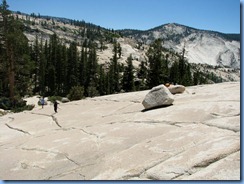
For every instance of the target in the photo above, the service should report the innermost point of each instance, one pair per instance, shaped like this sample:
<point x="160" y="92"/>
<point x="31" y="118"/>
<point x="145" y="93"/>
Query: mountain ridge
<point x="220" y="49"/>
<point x="230" y="36"/>
<point x="68" y="20"/>
<point x="202" y="46"/>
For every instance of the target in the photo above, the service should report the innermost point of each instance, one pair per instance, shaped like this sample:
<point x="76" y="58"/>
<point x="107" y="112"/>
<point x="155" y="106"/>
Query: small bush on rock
<point x="16" y="105"/>
<point x="53" y="99"/>
<point x="76" y="93"/>
<point x="5" y="103"/>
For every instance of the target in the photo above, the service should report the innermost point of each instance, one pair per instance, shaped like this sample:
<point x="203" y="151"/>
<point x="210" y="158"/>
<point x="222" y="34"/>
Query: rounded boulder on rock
<point x="158" y="96"/>
<point x="65" y="100"/>
<point x="174" y="89"/>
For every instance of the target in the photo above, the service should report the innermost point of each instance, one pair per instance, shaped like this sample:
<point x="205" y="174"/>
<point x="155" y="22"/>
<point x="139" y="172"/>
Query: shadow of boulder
<point x="158" y="107"/>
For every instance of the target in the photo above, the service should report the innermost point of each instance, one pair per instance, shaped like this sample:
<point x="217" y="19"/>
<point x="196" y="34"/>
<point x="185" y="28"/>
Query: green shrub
<point x="17" y="105"/>
<point x="53" y="99"/>
<point x="76" y="93"/>
<point x="24" y="108"/>
<point x="92" y="91"/>
<point x="2" y="113"/>
<point x="5" y="103"/>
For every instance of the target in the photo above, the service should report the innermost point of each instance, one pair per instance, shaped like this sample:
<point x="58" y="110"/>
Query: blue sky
<point x="216" y="15"/>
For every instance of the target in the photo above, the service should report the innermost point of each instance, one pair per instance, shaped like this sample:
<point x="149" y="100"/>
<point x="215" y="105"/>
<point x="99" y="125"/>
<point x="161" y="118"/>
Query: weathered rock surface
<point x="158" y="96"/>
<point x="175" y="89"/>
<point x="111" y="138"/>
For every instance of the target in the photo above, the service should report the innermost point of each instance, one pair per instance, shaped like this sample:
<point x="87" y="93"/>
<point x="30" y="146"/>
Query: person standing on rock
<point x="42" y="102"/>
<point x="56" y="106"/>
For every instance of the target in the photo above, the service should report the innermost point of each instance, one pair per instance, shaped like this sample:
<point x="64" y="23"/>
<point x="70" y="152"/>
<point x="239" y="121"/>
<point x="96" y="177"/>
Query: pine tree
<point x="128" y="76"/>
<point x="114" y="75"/>
<point x="60" y="70"/>
<point x="142" y="76"/>
<point x="102" y="87"/>
<point x="14" y="48"/>
<point x="64" y="70"/>
<point x="7" y="49"/>
<point x="166" y="68"/>
<point x="24" y="71"/>
<point x="42" y="69"/>
<point x="174" y="73"/>
<point x="36" y="58"/>
<point x="82" y="67"/>
<point x="119" y="50"/>
<point x="73" y="65"/>
<point x="156" y="64"/>
<point x="51" y="65"/>
<point x="3" y="64"/>
<point x="188" y="80"/>
<point x="195" y="78"/>
<point x="92" y="72"/>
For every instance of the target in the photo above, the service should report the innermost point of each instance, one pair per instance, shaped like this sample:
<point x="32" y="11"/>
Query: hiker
<point x="55" y="106"/>
<point x="42" y="102"/>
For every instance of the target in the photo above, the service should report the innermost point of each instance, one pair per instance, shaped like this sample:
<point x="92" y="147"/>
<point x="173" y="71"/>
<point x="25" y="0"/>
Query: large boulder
<point x="158" y="96"/>
<point x="174" y="89"/>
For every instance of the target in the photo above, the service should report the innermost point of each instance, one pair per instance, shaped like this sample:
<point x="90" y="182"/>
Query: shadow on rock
<point x="158" y="107"/>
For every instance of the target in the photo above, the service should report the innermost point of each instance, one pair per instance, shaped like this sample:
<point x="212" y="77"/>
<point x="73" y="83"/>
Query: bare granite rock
<point x="112" y="138"/>
<point x="175" y="89"/>
<point x="158" y="96"/>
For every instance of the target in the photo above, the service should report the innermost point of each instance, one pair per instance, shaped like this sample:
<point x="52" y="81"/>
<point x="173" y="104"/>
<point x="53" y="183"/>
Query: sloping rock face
<point x="112" y="138"/>
<point x="158" y="96"/>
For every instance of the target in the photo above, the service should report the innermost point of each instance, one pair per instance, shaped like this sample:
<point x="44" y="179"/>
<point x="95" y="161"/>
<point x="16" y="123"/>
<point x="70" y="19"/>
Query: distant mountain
<point x="205" y="47"/>
<point x="134" y="32"/>
<point x="68" y="30"/>
<point x="209" y="51"/>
